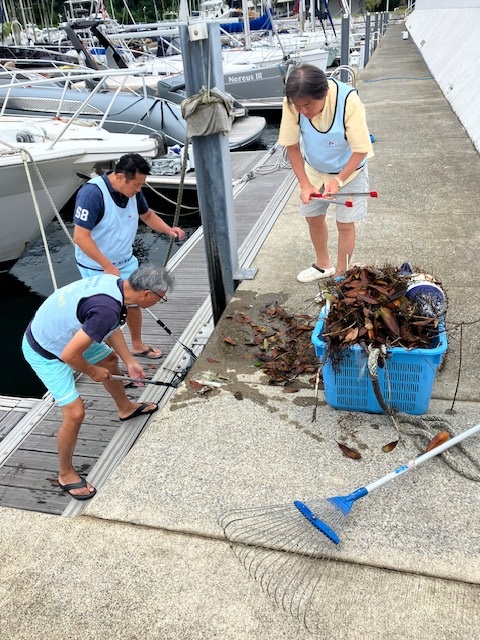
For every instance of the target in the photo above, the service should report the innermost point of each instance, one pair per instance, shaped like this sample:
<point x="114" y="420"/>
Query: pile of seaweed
<point x="372" y="306"/>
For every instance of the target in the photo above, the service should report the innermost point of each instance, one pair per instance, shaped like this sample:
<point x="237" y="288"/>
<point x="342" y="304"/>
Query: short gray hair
<point x="152" y="278"/>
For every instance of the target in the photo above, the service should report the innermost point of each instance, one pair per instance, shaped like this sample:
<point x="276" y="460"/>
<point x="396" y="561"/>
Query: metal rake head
<point x="282" y="550"/>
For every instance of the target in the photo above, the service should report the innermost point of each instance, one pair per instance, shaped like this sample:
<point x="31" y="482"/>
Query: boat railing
<point x="75" y="75"/>
<point x="22" y="78"/>
<point x="342" y="70"/>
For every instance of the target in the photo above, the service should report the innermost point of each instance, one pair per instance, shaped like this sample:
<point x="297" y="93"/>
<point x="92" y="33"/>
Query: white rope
<point x="164" y="197"/>
<point x="282" y="162"/>
<point x="422" y="429"/>
<point x="26" y="156"/>
<point x="14" y="150"/>
<point x="52" y="204"/>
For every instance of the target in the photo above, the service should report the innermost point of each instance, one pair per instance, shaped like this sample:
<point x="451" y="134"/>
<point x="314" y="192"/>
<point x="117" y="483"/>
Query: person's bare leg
<point x="115" y="388"/>
<point x="134" y="322"/>
<point x="319" y="236"/>
<point x="73" y="415"/>
<point x="346" y="245"/>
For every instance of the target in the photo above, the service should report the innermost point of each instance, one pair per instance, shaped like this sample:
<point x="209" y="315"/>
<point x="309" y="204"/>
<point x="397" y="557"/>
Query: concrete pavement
<point x="148" y="558"/>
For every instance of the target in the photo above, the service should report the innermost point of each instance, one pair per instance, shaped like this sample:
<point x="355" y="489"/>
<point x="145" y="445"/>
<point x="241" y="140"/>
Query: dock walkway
<point x="28" y="458"/>
<point x="148" y="557"/>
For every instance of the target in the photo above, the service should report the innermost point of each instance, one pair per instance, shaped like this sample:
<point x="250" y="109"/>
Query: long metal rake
<point x="280" y="545"/>
<point x="142" y="381"/>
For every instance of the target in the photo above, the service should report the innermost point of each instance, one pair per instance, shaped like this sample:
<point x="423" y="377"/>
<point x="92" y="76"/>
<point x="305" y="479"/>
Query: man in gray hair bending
<point x="77" y="328"/>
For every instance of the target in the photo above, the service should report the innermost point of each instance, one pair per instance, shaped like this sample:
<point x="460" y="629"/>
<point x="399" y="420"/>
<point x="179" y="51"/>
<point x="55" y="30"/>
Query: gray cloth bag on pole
<point x="207" y="112"/>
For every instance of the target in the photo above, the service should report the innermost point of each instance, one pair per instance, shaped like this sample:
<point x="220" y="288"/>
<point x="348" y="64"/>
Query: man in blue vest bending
<point x="77" y="328"/>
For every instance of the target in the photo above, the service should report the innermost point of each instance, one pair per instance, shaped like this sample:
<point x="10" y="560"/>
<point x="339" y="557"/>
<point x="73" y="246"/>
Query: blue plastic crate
<point x="406" y="381"/>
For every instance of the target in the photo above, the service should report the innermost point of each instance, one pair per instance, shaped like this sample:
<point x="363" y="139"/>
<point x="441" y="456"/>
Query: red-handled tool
<point x="348" y="203"/>
<point x="372" y="194"/>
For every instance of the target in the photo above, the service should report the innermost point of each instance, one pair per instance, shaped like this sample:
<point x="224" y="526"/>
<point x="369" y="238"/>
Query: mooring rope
<point x="26" y="157"/>
<point x="422" y="429"/>
<point x="27" y="160"/>
<point x="179" y="198"/>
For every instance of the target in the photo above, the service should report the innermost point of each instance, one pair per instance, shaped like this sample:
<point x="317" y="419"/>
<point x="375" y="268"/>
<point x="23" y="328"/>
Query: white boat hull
<point x="18" y="220"/>
<point x="24" y="203"/>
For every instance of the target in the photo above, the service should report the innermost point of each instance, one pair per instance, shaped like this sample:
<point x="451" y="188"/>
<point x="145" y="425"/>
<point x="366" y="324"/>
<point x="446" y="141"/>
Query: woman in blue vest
<point x="69" y="333"/>
<point x="325" y="132"/>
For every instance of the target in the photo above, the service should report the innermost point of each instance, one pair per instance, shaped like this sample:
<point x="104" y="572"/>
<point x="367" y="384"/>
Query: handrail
<point x="410" y="8"/>
<point x="78" y="111"/>
<point x="376" y="37"/>
<point x="36" y="79"/>
<point x="68" y="79"/>
<point x="349" y="70"/>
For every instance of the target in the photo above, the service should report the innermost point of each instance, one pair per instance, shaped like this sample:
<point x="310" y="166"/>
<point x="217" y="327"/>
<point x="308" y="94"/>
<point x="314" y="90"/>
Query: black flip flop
<point x="77" y="485"/>
<point x="146" y="352"/>
<point x="140" y="411"/>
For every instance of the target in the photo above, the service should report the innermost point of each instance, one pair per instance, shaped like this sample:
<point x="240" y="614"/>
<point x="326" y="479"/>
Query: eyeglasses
<point x="160" y="298"/>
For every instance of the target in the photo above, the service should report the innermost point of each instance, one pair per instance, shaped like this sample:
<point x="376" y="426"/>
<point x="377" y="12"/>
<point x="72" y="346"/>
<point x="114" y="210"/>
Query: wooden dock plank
<point x="48" y="444"/>
<point x="91" y="429"/>
<point x="42" y="461"/>
<point x="27" y="479"/>
<point x="52" y="502"/>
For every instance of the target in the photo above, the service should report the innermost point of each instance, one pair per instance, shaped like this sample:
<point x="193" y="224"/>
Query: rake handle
<point x="371" y="194"/>
<point x="421" y="459"/>
<point x="158" y="321"/>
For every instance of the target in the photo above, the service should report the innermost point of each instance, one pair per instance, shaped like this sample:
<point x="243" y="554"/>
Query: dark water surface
<point x="29" y="282"/>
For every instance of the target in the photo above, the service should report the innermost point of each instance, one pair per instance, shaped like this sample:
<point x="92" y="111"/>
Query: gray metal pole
<point x="345" y="47"/>
<point x="367" y="40"/>
<point x="375" y="32"/>
<point x="202" y="62"/>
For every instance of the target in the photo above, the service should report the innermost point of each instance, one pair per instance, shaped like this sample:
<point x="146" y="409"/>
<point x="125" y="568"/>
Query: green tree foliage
<point x="54" y="11"/>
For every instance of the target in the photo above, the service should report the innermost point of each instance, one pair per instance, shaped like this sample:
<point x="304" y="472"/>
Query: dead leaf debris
<point x="282" y="341"/>
<point x="370" y="307"/>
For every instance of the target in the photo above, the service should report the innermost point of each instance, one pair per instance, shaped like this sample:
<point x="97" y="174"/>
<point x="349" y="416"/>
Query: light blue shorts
<point x="125" y="270"/>
<point x="57" y="376"/>
<point x="359" y="184"/>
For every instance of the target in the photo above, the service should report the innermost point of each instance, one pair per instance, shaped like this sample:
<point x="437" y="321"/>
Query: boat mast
<point x="129" y="12"/>
<point x="24" y="17"/>
<point x="246" y="26"/>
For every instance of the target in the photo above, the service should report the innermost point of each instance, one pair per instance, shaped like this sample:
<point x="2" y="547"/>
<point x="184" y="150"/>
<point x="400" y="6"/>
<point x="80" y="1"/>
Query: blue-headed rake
<point x="280" y="545"/>
<point x="343" y="504"/>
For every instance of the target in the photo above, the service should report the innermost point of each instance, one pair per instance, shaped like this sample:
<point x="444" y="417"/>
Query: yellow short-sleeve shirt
<point x="356" y="129"/>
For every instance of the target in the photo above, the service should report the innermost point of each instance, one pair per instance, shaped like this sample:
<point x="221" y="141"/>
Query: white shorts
<point x="318" y="206"/>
